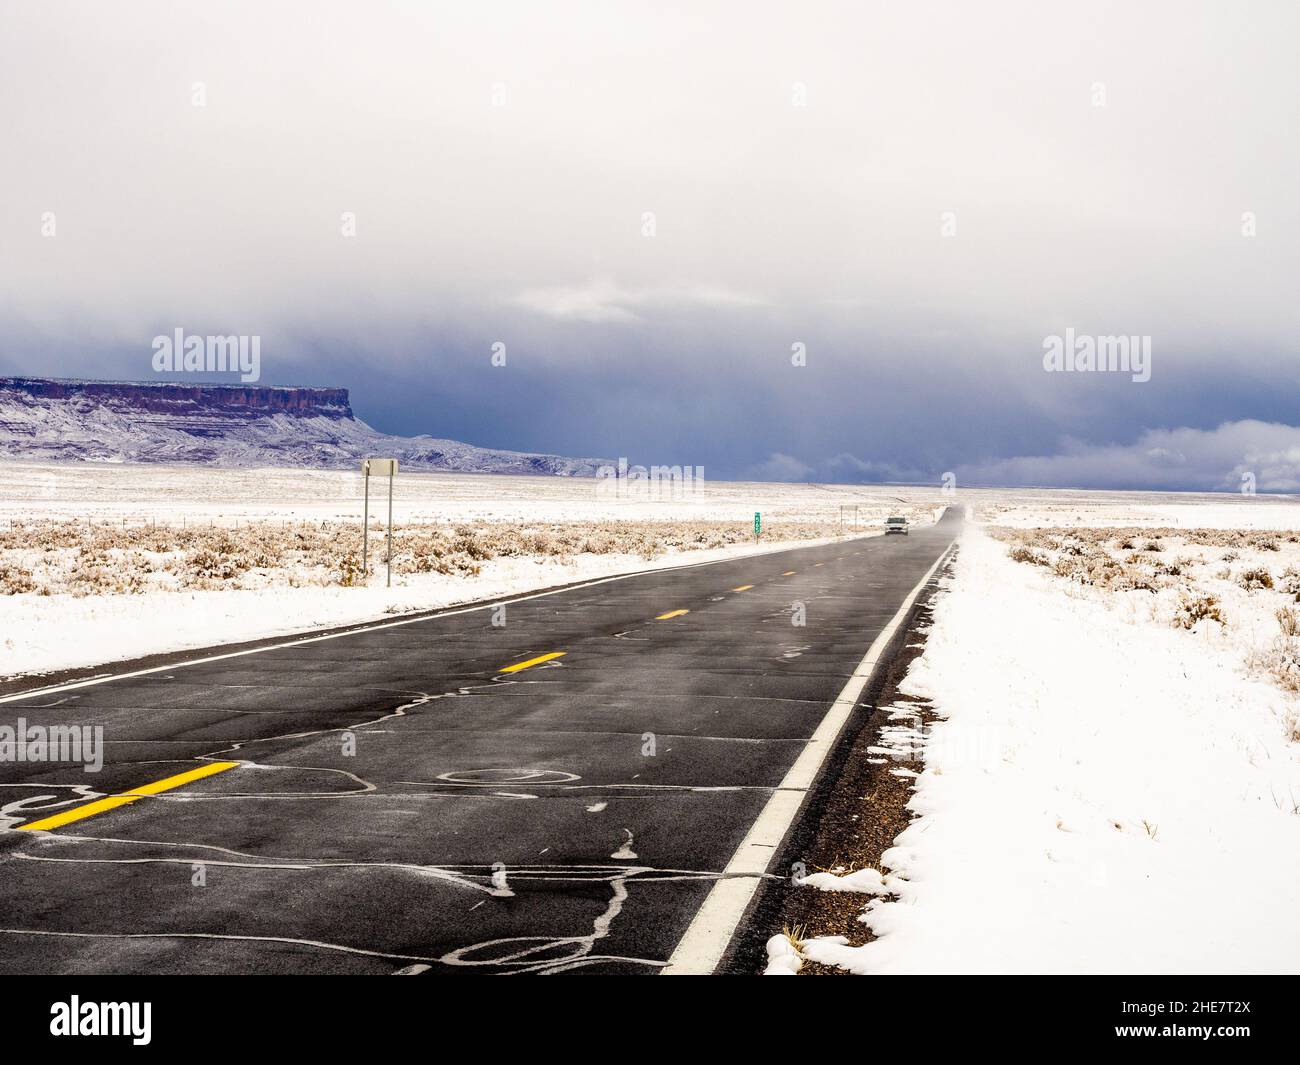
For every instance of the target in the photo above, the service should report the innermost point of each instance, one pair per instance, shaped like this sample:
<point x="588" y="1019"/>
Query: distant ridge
<point x="227" y="425"/>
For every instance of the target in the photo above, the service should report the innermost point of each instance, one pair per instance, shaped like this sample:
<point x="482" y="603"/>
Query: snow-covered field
<point x="100" y="563"/>
<point x="1104" y="791"/>
<point x="115" y="492"/>
<point x="1043" y="509"/>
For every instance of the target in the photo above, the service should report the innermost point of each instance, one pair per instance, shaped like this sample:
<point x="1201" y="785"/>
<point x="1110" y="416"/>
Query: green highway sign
<point x="758" y="523"/>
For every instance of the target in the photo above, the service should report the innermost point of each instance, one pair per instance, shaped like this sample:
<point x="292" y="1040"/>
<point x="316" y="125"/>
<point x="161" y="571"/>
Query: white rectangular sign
<point x="379" y="467"/>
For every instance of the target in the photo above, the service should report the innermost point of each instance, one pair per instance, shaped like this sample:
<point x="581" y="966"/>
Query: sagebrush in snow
<point x="1255" y="578"/>
<point x="50" y="557"/>
<point x="1196" y="608"/>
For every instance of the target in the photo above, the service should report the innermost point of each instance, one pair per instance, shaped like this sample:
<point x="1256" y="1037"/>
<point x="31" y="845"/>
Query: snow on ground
<point x="116" y="492"/>
<point x="1037" y="509"/>
<point x="1103" y="793"/>
<point x="50" y="623"/>
<point x="113" y="492"/>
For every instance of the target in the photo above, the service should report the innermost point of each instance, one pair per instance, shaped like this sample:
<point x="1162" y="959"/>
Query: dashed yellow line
<point x="533" y="662"/>
<point x="112" y="802"/>
<point x="788" y="573"/>
<point x="743" y="588"/>
<point x="819" y="563"/>
<point x="671" y="614"/>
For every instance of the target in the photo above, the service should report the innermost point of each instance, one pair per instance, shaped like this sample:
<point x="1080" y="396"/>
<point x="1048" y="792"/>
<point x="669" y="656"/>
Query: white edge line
<point x="34" y="693"/>
<point x="711" y="930"/>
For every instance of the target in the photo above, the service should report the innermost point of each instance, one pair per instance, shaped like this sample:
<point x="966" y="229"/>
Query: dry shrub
<point x="1289" y="581"/>
<point x="1255" y="578"/>
<point x="1133" y="579"/>
<point x="15" y="580"/>
<point x="215" y="563"/>
<point x="1288" y="621"/>
<point x="1025" y="554"/>
<point x="1281" y="661"/>
<point x="1195" y="608"/>
<point x="350" y="573"/>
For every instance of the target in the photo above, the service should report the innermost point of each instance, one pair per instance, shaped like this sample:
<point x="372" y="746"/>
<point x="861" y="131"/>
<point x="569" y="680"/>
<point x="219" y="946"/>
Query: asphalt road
<point x="398" y="801"/>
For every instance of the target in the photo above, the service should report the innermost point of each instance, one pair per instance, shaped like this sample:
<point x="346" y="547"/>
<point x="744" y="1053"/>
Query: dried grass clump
<point x="1288" y="621"/>
<point x="1030" y="556"/>
<point x="1133" y="579"/>
<point x="216" y="563"/>
<point x="1196" y="608"/>
<point x="1255" y="578"/>
<point x="350" y="573"/>
<point x="15" y="580"/>
<point x="1281" y="662"/>
<point x="1288" y="581"/>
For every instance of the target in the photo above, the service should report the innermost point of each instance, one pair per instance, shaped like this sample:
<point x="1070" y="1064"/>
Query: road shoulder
<point x="856" y="809"/>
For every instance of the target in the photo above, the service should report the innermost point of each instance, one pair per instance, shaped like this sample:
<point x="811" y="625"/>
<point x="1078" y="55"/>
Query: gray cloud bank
<point x="1262" y="455"/>
<point x="500" y="164"/>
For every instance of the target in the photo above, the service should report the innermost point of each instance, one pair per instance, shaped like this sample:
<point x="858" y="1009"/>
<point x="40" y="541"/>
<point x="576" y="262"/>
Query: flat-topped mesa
<point x="46" y="419"/>
<point x="168" y="397"/>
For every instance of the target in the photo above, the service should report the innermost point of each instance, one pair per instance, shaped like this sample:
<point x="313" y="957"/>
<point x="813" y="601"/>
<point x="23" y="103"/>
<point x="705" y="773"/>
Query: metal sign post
<point x="365" y="519"/>
<point x="377" y="467"/>
<point x="391" y="470"/>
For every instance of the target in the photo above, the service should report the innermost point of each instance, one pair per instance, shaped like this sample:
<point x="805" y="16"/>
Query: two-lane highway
<point x="568" y="782"/>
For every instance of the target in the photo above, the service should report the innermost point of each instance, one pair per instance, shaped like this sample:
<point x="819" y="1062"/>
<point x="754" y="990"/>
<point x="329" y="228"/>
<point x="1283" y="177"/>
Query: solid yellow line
<point x="671" y="614"/>
<point x="788" y="573"/>
<point x="533" y="661"/>
<point x="743" y="588"/>
<point x="99" y="806"/>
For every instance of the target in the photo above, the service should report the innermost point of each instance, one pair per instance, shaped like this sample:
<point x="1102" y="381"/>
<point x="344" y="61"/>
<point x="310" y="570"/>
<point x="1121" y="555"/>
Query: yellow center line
<point x="671" y="614"/>
<point x="533" y="661"/>
<point x="743" y="588"/>
<point x="112" y="802"/>
<point x="788" y="573"/>
<point x="819" y="563"/>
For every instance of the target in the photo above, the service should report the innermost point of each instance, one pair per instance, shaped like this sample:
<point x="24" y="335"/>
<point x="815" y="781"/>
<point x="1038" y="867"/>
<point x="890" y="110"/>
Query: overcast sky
<point x="798" y="160"/>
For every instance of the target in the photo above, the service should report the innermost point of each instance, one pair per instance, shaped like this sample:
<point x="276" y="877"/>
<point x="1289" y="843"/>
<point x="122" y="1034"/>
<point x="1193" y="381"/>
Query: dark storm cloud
<point x="774" y="224"/>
